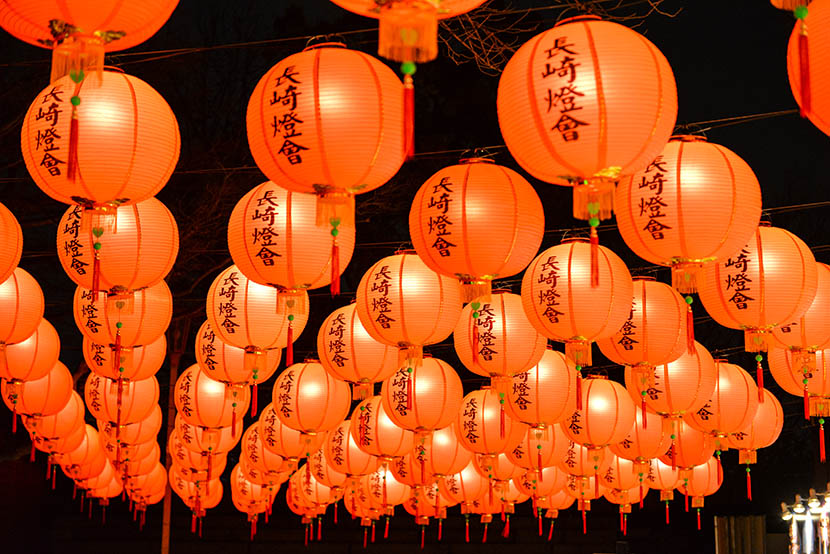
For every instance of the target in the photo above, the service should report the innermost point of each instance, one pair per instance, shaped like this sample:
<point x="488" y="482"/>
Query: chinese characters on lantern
<point x="337" y="346"/>
<point x="264" y="233"/>
<point x="560" y="71"/>
<point x="470" y="426"/>
<point x="439" y="224"/>
<point x="486" y="337"/>
<point x="521" y="391"/>
<point x="45" y="140"/>
<point x="629" y="330"/>
<point x="184" y="394"/>
<point x="382" y="305"/>
<point x="286" y="385"/>
<point x="548" y="295"/>
<point x="737" y="280"/>
<point x="89" y="311"/>
<point x="364" y="425"/>
<point x="400" y="396"/>
<point x="209" y="349"/>
<point x="652" y="207"/>
<point x="286" y="124"/>
<point x="71" y="245"/>
<point x="227" y="309"/>
<point x="336" y="448"/>
<point x="98" y="354"/>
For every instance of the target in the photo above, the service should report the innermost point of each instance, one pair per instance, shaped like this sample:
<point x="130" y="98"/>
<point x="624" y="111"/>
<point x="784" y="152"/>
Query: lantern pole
<point x="177" y="339"/>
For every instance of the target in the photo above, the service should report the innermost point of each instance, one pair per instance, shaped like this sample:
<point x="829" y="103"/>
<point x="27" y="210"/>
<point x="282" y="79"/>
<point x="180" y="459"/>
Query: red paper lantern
<point x="58" y="425"/>
<point x="350" y="354"/>
<point x="21" y="301"/>
<point x="701" y="203"/>
<point x="622" y="474"/>
<point x="308" y="399"/>
<point x="87" y="460"/>
<point x="274" y="239"/>
<point x="57" y="446"/>
<point x="499" y="218"/>
<point x="771" y="281"/>
<point x="343" y="454"/>
<point x="120" y="402"/>
<point x="137" y="252"/>
<point x="383" y="490"/>
<point x="807" y="60"/>
<point x="482" y="425"/>
<point x="810" y="332"/>
<point x="207" y="403"/>
<point x="131" y="364"/>
<point x="403" y="303"/>
<point x="565" y="303"/>
<point x="704" y="480"/>
<point x="663" y="477"/>
<point x="761" y="432"/>
<point x="790" y="375"/>
<point x="410" y="471"/>
<point x="423" y="398"/>
<point x="42" y="397"/>
<point x="606" y="416"/>
<point x="195" y="466"/>
<point x="119" y="145"/>
<point x="197" y="496"/>
<point x="375" y="433"/>
<point x="690" y="447"/>
<point x="464" y="487"/>
<point x="732" y="405"/>
<point x="624" y="90"/>
<point x="11" y="247"/>
<point x="540" y="447"/>
<point x="496" y="339"/>
<point x="284" y="440"/>
<point x="324" y="472"/>
<point x="496" y="468"/>
<point x="648" y="439"/>
<point x="443" y="454"/>
<point x="143" y="319"/>
<point x="142" y="486"/>
<point x="545" y="394"/>
<point x="31" y="358"/>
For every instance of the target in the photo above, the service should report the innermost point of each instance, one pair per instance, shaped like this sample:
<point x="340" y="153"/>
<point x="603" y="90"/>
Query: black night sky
<point x="729" y="59"/>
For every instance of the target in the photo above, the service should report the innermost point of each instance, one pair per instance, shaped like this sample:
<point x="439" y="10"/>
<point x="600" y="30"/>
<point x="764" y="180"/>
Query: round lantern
<point x="255" y="317"/>
<point x="663" y="477"/>
<point x="124" y="322"/>
<point x="343" y="454"/>
<point x="195" y="466"/>
<point x="41" y="397"/>
<point x="496" y="468"/>
<point x="312" y="490"/>
<point x="540" y="447"/>
<point x="120" y="402"/>
<point x="197" y="496"/>
<point x="584" y="489"/>
<point x="21" y="302"/>
<point x="100" y="480"/>
<point x="494" y="338"/>
<point x="11" y="246"/>
<point x="60" y="424"/>
<point x="403" y="303"/>
<point x="411" y="471"/>
<point x="790" y="375"/>
<point x="606" y="416"/>
<point x="350" y="354"/>
<point x="203" y="440"/>
<point x="423" y="398"/>
<point x="375" y="433"/>
<point x="443" y="454"/>
<point x="133" y="433"/>
<point x="761" y="432"/>
<point x="541" y="484"/>
<point x="86" y="453"/>
<point x="482" y="425"/>
<point x="130" y="364"/>
<point x="659" y="329"/>
<point x="118" y="145"/>
<point x="383" y="490"/>
<point x="622" y="474"/>
<point x="137" y="252"/>
<point x="704" y="480"/>
<point x="308" y="399"/>
<point x="567" y="301"/>
<point x="545" y="394"/>
<point x="31" y="358"/>
<point x="328" y="121"/>
<point x="204" y="402"/>
<point x="771" y="281"/>
<point x="695" y="203"/>
<point x="649" y="438"/>
<point x="584" y="103"/>
<point x="147" y="484"/>
<point x="689" y="446"/>
<point x="464" y="487"/>
<point x="811" y="331"/>
<point x="324" y="472"/>
<point x="807" y="60"/>
<point x="274" y="240"/>
<point x="284" y="440"/>
<point x="57" y="446"/>
<point x="732" y="405"/>
<point x="582" y="461"/>
<point x="476" y="221"/>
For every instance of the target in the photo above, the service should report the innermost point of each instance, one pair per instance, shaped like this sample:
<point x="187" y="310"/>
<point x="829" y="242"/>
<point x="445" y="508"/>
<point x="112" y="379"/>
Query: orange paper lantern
<point x="204" y="440"/>
<point x="343" y="454"/>
<point x="32" y="358"/>
<point x="545" y="394"/>
<point x="540" y="447"/>
<point x="42" y="397"/>
<point x="443" y="454"/>
<point x="284" y="440"/>
<point x="807" y="61"/>
<point x="133" y="433"/>
<point x="308" y="399"/>
<point x="11" y="245"/>
<point x="764" y="429"/>
<point x="606" y="416"/>
<point x="207" y="403"/>
<point x="648" y="439"/>
<point x="482" y="425"/>
<point x="791" y="373"/>
<point x="21" y="301"/>
<point x="58" y="425"/>
<point x="811" y="331"/>
<point x="375" y="433"/>
<point x="732" y="405"/>
<point x="689" y="448"/>
<point x="131" y="364"/>
<point x="120" y="402"/>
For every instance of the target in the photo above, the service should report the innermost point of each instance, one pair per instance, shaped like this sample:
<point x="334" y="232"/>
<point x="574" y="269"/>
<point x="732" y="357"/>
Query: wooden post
<point x="177" y="343"/>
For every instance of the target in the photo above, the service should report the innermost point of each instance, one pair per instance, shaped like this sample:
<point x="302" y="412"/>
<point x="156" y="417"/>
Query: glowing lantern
<point x="21" y="303"/>
<point x="42" y="397"/>
<point x="624" y="498"/>
<point x="732" y="405"/>
<point x="443" y="454"/>
<point x="284" y="440"/>
<point x="312" y="490"/>
<point x="274" y="240"/>
<point x="409" y="470"/>
<point x="308" y="399"/>
<point x="807" y="61"/>
<point x="383" y="490"/>
<point x="403" y="303"/>
<point x="690" y="447"/>
<point x="544" y="394"/>
<point x="350" y="354"/>
<point x="496" y="468"/>
<point x="500" y="223"/>
<point x="494" y="338"/>
<point x="87" y="460"/>
<point x="343" y="454"/>
<point x="198" y="496"/>
<point x="606" y="416"/>
<point x="255" y="317"/>
<point x="704" y="480"/>
<point x="465" y="487"/>
<point x="576" y="308"/>
<point x="483" y="427"/>
<point x="120" y="402"/>
<point x="375" y="433"/>
<point x="649" y="438"/>
<point x="147" y="484"/>
<point x="553" y="504"/>
<point x="324" y="472"/>
<point x="11" y="246"/>
<point x="32" y="358"/>
<point x="533" y="484"/>
<point x="663" y="477"/>
<point x="581" y="461"/>
<point x="205" y="441"/>
<point x="137" y="252"/>
<point x="119" y="145"/>
<point x="131" y="364"/>
<point x="584" y="489"/>
<point x="624" y="90"/>
<point x="204" y="402"/>
<point x="259" y="457"/>
<point x="52" y="428"/>
<point x="57" y="446"/>
<point x="98" y="481"/>
<point x="194" y="466"/>
<point x="771" y="281"/>
<point x="760" y="433"/>
<point x="709" y="206"/>
<point x="324" y="94"/>
<point x="124" y="323"/>
<point x="423" y="398"/>
<point x="135" y="459"/>
<point x="622" y="474"/>
<point x="133" y="433"/>
<point x="540" y="447"/>
<point x="791" y="375"/>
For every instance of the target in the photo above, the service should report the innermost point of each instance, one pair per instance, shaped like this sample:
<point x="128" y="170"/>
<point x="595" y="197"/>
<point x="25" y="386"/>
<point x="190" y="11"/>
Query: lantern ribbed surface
<point x="42" y="397"/>
<point x="257" y="456"/>
<point x="22" y="304"/>
<point x="343" y="455"/>
<point x="606" y="416"/>
<point x="466" y="486"/>
<point x="691" y="447"/>
<point x="732" y="405"/>
<point x="443" y="453"/>
<point x="812" y="330"/>
<point x="483" y="427"/>
<point x="816" y="26"/>
<point x="11" y="242"/>
<point x="228" y="364"/>
<point x="539" y="447"/>
<point x="764" y="428"/>
<point x="546" y="393"/>
<point x="284" y="440"/>
<point x="207" y="403"/>
<point x="375" y="433"/>
<point x="789" y="373"/>
<point x="138" y="398"/>
<point x="133" y="433"/>
<point x="33" y="357"/>
<point x="202" y="439"/>
<point x="621" y="474"/>
<point x="644" y="442"/>
<point x="424" y="399"/>
<point x="704" y="479"/>
<point x="139" y="362"/>
<point x="308" y="399"/>
<point x="582" y="461"/>
<point x="662" y="476"/>
<point x="60" y="424"/>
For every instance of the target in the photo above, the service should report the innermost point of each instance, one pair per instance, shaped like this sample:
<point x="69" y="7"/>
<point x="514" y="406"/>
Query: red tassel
<point x="409" y="391"/>
<point x="386" y="529"/>
<point x="484" y="536"/>
<point x="120" y="396"/>
<point x="72" y="161"/>
<point x="193" y="523"/>
<point x="209" y="468"/>
<point x="643" y="409"/>
<point x="502" y="511"/>
<point x="289" y="349"/>
<point x="475" y="342"/>
<point x="674" y="455"/>
<point x="89" y="512"/>
<point x="253" y="528"/>
<point x="686" y="497"/>
<point x="579" y="390"/>
<point x="422" y="537"/>
<point x="373" y="531"/>
<point x="594" y="258"/>
<point x="690" y="329"/>
<point x="641" y="495"/>
<point x="759" y="372"/>
<point x="698" y="519"/>
<point x="821" y="453"/>
<point x="365" y="533"/>
<point x="75" y="490"/>
<point x="335" y="513"/>
<point x="584" y="522"/>
<point x="625" y="524"/>
<point x="539" y="463"/>
<point x="54" y="472"/>
<point x="622" y="524"/>
<point x="233" y="422"/>
<point x="720" y="470"/>
<point x="806" y="404"/>
<point x="467" y="528"/>
<point x="804" y="71"/>
<point x="254" y="393"/>
<point x="32" y="453"/>
<point x="667" y="512"/>
<point x="306" y="537"/>
<point x="83" y="495"/>
<point x="550" y="531"/>
<point x="507" y="527"/>
<point x="501" y="419"/>
<point x="319" y="530"/>
<point x="748" y="484"/>
<point x="96" y="275"/>
<point x="539" y="520"/>
<point x="143" y="519"/>
<point x="423" y="470"/>
<point x="335" y="270"/>
<point x="440" y="528"/>
<point x="14" y="417"/>
<point x="409" y="116"/>
<point x="596" y="485"/>
<point x="200" y="527"/>
<point x="49" y="468"/>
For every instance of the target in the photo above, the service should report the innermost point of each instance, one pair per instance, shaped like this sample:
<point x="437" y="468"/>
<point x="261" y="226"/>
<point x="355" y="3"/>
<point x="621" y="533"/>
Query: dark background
<point x="729" y="60"/>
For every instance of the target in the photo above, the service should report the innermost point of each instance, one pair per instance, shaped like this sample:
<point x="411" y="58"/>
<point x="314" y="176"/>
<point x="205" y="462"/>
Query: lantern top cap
<point x="501" y="291"/>
<point x="687" y="138"/>
<point x="329" y="44"/>
<point x="764" y="224"/>
<point x="569" y="240"/>
<point x="720" y="360"/>
<point x="406" y="251"/>
<point x="643" y="278"/>
<point x="475" y="160"/>
<point x="577" y="19"/>
<point x="597" y="376"/>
